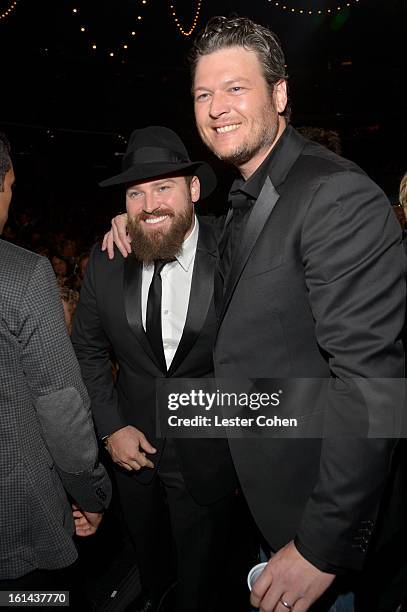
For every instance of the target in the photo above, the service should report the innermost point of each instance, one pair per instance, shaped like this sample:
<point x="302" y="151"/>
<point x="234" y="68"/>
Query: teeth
<point x="156" y="219"/>
<point x="227" y="128"/>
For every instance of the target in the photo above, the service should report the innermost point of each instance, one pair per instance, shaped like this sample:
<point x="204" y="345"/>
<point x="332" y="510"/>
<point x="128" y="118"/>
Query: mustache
<point x="142" y="216"/>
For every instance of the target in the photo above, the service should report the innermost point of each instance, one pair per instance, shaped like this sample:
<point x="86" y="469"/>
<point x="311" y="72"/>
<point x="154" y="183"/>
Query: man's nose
<point x="219" y="105"/>
<point x="151" y="203"/>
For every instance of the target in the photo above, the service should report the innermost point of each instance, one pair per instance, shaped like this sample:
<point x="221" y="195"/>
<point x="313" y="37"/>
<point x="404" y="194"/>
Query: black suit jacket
<point x="109" y="315"/>
<point x="317" y="286"/>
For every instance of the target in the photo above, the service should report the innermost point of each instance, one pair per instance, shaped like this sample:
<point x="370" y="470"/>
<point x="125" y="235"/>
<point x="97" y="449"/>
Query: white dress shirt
<point x="176" y="279"/>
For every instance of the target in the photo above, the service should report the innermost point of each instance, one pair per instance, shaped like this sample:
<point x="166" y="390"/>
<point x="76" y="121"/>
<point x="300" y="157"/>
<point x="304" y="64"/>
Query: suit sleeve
<point x="355" y="274"/>
<point x="59" y="395"/>
<point x="92" y="347"/>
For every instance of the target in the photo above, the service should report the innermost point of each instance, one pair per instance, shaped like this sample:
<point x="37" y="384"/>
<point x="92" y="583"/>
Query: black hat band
<point x="147" y="155"/>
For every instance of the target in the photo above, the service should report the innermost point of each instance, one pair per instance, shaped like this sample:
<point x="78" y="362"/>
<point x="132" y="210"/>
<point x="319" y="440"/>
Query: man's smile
<point x="227" y="128"/>
<point x="156" y="219"/>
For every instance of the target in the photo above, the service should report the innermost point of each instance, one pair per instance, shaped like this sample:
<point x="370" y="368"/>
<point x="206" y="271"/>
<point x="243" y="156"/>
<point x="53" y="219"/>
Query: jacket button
<point x="100" y="493"/>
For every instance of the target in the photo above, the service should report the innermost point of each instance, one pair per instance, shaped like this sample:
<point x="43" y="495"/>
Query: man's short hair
<point x="223" y="32"/>
<point x="5" y="159"/>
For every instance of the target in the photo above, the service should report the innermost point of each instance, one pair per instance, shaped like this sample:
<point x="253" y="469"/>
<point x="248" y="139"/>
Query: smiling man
<point x="155" y="310"/>
<point x="161" y="216"/>
<point x="310" y="283"/>
<point x="312" y="269"/>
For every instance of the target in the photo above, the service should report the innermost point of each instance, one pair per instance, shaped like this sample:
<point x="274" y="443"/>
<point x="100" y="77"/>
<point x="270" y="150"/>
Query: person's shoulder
<point x="317" y="160"/>
<point x="17" y="263"/>
<point x="19" y="267"/>
<point x="100" y="258"/>
<point x="13" y="253"/>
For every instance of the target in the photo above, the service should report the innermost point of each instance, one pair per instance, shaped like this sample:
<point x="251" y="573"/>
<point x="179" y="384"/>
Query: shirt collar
<point x="253" y="186"/>
<point x="188" y="249"/>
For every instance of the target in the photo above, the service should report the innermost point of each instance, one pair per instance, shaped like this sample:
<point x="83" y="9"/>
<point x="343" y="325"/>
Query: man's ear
<point x="280" y="95"/>
<point x="195" y="188"/>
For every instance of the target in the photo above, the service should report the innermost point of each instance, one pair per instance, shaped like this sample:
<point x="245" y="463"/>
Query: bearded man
<point x="155" y="310"/>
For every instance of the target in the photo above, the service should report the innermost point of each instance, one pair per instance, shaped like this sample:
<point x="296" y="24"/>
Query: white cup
<point x="254" y="574"/>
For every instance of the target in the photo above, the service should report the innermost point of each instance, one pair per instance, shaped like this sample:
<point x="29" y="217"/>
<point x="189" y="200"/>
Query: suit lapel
<point x="219" y="283"/>
<point x="132" y="303"/>
<point x="259" y="215"/>
<point x="289" y="150"/>
<point x="200" y="295"/>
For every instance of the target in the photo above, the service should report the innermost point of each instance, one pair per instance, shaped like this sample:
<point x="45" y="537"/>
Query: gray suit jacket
<point x="47" y="441"/>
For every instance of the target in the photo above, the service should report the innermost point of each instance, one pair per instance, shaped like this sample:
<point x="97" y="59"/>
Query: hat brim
<point x="142" y="172"/>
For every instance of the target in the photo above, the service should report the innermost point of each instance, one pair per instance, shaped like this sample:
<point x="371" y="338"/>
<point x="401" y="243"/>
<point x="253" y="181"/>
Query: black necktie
<point x="153" y="316"/>
<point x="240" y="207"/>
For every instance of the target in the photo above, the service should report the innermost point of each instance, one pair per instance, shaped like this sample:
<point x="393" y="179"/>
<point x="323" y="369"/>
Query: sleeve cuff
<point x="321" y="564"/>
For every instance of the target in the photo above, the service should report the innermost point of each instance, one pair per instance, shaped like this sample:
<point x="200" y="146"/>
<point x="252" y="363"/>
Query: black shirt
<point x="242" y="196"/>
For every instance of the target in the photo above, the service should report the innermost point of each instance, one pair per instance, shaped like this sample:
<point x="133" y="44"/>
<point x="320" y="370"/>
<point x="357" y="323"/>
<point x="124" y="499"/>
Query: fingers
<point x="84" y="530"/>
<point x="146" y="462"/>
<point x="110" y="241"/>
<point x="119" y="236"/>
<point x="301" y="605"/>
<point x="261" y="586"/>
<point x="134" y="463"/>
<point x="145" y="444"/>
<point x="139" y="461"/>
<point x="128" y="446"/>
<point x="120" y="224"/>
<point x="270" y="602"/>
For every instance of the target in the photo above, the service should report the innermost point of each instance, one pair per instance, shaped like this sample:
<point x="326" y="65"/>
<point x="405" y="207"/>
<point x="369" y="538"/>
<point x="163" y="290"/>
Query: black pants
<point x="163" y="512"/>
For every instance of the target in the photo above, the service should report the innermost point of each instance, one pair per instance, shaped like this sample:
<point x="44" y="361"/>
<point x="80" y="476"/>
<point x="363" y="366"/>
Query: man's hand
<point x="117" y="235"/>
<point x="86" y="523"/>
<point x="291" y="578"/>
<point x="124" y="447"/>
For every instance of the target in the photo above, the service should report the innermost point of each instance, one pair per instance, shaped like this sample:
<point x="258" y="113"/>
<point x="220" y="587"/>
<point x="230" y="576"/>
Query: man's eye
<point x="133" y="194"/>
<point x="163" y="188"/>
<point x="236" y="88"/>
<point x="201" y="97"/>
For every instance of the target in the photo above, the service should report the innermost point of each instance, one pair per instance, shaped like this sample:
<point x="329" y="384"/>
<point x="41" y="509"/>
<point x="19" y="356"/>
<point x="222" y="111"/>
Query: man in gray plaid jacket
<point x="47" y="442"/>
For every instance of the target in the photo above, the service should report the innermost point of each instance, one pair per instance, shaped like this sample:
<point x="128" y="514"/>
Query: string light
<point x="306" y="11"/>
<point x="112" y="52"/>
<point x="194" y="21"/>
<point x="9" y="10"/>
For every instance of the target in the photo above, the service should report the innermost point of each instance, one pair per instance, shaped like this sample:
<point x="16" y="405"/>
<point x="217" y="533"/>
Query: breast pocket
<point x="263" y="265"/>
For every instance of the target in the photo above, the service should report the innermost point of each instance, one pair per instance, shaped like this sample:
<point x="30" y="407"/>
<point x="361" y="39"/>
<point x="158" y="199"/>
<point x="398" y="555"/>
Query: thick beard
<point x="153" y="245"/>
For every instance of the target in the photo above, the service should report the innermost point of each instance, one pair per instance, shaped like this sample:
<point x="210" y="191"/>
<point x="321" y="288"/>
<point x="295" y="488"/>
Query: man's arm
<point x="118" y="235"/>
<point x="355" y="274"/>
<point x="92" y="348"/>
<point x="58" y="393"/>
<point x="126" y="444"/>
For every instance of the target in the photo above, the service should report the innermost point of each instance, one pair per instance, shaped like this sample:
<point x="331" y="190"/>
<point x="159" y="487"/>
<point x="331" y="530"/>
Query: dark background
<point x="68" y="108"/>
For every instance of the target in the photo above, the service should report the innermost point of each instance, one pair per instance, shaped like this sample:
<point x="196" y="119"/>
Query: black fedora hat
<point x="156" y="151"/>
